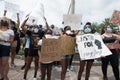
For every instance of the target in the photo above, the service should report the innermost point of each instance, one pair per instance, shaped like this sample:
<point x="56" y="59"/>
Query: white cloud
<point x="96" y="10"/>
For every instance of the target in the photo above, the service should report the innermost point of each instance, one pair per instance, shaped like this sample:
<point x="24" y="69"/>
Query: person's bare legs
<point x="81" y="69"/>
<point x="43" y="69"/>
<point x="5" y="67"/>
<point x="88" y="68"/>
<point x="1" y="70"/>
<point x="49" y="70"/>
<point x="64" y="64"/>
<point x="13" y="53"/>
<point x="36" y="65"/>
<point x="64" y="68"/>
<point x="29" y="60"/>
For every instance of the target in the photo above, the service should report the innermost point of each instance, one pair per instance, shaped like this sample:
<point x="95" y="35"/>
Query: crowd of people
<point x="30" y="37"/>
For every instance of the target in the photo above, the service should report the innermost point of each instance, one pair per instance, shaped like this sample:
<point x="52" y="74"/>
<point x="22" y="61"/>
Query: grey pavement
<point x="96" y="74"/>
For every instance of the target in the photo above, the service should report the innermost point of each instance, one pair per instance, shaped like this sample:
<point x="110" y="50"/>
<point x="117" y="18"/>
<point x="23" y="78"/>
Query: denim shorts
<point x="4" y="51"/>
<point x="66" y="56"/>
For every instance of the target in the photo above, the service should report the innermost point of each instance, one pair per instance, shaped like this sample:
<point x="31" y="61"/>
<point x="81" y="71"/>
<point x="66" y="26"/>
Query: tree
<point x="99" y="27"/>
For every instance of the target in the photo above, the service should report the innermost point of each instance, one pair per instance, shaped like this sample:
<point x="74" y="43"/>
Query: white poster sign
<point x="10" y="7"/>
<point x="73" y="20"/>
<point x="91" y="46"/>
<point x="36" y="14"/>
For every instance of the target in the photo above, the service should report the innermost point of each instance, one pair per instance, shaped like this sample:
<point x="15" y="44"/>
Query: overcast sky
<point x="91" y="10"/>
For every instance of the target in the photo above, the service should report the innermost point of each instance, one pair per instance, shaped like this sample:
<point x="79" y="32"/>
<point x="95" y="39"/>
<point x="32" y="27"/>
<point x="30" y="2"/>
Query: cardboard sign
<point x="115" y="19"/>
<point x="50" y="50"/>
<point x="67" y="45"/>
<point x="91" y="46"/>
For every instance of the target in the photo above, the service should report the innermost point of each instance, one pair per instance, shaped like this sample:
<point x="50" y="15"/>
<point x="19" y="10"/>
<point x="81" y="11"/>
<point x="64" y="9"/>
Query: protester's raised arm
<point x="23" y="24"/>
<point x="47" y="26"/>
<point x="18" y="21"/>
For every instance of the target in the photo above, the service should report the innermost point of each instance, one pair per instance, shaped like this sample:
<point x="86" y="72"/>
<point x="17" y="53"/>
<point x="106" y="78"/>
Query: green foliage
<point x="99" y="27"/>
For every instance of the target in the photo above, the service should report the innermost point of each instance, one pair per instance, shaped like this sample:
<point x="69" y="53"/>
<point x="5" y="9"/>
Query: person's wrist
<point x="5" y="40"/>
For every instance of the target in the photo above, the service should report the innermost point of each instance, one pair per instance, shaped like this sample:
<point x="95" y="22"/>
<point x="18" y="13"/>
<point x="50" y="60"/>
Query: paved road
<point x="17" y="74"/>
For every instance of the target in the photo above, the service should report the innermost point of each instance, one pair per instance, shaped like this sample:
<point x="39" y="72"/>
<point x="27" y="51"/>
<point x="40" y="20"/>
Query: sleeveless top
<point x="109" y="39"/>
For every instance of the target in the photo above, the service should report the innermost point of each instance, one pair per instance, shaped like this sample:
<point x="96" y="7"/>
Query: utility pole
<point x="72" y="7"/>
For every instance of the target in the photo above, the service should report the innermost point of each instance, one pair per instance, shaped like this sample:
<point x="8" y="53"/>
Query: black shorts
<point x="45" y="65"/>
<point x="4" y="51"/>
<point x="29" y="52"/>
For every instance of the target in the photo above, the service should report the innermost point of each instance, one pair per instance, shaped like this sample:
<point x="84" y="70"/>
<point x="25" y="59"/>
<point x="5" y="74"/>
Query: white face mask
<point x="109" y="30"/>
<point x="36" y="30"/>
<point x="87" y="30"/>
<point x="69" y="32"/>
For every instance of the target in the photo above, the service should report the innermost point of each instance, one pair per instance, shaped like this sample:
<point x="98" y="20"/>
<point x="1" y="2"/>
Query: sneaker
<point x="68" y="70"/>
<point x="34" y="78"/>
<point x="12" y="65"/>
<point x="105" y="78"/>
<point x="71" y="68"/>
<point x="23" y="67"/>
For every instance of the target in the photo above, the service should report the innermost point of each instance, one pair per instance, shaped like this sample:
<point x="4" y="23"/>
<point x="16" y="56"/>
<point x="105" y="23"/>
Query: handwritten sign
<point x="67" y="45"/>
<point x="91" y="46"/>
<point x="50" y="50"/>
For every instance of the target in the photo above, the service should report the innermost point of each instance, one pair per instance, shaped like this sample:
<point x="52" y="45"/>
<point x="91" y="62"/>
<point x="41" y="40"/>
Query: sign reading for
<point x="91" y="46"/>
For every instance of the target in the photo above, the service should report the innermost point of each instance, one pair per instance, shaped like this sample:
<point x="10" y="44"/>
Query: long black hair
<point x="4" y="23"/>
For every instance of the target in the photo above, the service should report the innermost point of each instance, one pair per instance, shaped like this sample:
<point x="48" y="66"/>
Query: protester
<point x="6" y="38"/>
<point x="15" y="27"/>
<point x="45" y="67"/>
<point x="109" y="38"/>
<point x="22" y="36"/>
<point x="31" y="50"/>
<point x="18" y="34"/>
<point x="87" y="29"/>
<point x="65" y="59"/>
<point x="14" y="44"/>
